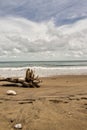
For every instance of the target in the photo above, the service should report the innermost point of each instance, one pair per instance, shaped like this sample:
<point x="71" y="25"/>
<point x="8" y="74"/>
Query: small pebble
<point x="18" y="126"/>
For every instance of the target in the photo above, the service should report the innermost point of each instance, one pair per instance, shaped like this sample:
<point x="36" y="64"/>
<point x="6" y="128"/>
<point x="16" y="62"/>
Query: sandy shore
<point x="59" y="104"/>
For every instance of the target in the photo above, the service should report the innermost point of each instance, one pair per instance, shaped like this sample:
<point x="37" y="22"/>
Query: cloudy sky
<point x="43" y="30"/>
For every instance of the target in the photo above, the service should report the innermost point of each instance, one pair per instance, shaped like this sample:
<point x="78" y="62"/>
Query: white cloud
<point x="27" y="40"/>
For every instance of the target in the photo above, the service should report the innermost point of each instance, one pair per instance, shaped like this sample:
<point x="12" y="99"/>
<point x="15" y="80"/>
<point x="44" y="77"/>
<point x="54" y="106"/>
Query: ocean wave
<point x="43" y="71"/>
<point x="41" y="67"/>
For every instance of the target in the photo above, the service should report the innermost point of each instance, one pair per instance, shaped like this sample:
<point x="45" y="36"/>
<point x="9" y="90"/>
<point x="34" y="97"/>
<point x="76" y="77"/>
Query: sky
<point x="43" y="30"/>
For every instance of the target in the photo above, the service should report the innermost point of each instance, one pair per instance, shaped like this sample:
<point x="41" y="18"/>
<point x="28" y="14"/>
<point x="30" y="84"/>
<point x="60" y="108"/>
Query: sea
<point x="43" y="68"/>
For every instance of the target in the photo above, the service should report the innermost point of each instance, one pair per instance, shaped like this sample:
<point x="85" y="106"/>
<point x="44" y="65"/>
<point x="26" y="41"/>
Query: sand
<point x="59" y="104"/>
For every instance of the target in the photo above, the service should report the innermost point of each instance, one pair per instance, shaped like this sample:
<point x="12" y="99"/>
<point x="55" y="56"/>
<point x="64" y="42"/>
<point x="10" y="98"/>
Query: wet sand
<point x="59" y="104"/>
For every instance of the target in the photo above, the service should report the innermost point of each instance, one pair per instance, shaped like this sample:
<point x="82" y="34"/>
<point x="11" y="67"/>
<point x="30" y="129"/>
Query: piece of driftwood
<point x="30" y="80"/>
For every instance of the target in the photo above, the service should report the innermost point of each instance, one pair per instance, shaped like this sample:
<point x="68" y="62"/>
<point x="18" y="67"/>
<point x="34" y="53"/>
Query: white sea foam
<point x="44" y="71"/>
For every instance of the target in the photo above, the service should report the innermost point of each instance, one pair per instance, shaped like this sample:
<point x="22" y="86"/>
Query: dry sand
<point x="59" y="104"/>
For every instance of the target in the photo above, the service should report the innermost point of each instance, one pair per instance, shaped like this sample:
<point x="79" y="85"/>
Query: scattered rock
<point x="69" y="113"/>
<point x="18" y="126"/>
<point x="55" y="101"/>
<point x="11" y="120"/>
<point x="25" y="102"/>
<point x="85" y="98"/>
<point x="11" y="92"/>
<point x="65" y="102"/>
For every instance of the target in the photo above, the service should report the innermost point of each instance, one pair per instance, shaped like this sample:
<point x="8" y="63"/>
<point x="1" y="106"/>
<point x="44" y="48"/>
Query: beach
<point x="43" y="65"/>
<point x="59" y="104"/>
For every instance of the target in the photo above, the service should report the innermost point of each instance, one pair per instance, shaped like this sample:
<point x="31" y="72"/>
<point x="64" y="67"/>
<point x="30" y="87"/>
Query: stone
<point x="18" y="126"/>
<point x="11" y="92"/>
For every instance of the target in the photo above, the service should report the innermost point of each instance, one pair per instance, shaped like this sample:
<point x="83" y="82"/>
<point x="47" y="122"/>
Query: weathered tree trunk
<point x="30" y="80"/>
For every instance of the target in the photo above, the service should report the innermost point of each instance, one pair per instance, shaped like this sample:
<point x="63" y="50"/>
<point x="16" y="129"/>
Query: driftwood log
<point x="30" y="80"/>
